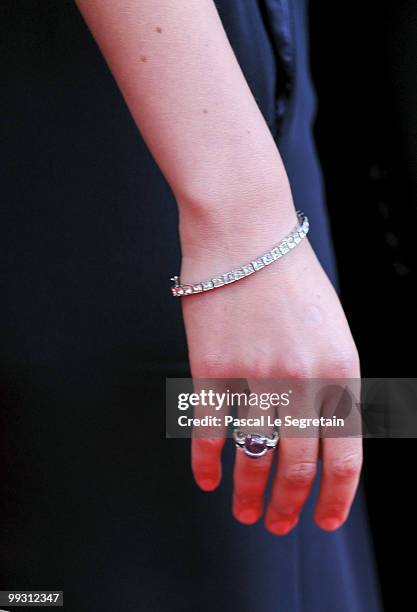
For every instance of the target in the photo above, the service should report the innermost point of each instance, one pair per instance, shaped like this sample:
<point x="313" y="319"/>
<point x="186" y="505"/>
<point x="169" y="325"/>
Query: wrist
<point x="242" y="223"/>
<point x="281" y="247"/>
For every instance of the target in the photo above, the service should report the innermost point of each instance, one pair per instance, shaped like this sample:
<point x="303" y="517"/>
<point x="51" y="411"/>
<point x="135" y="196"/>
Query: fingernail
<point x="208" y="484"/>
<point x="330" y="523"/>
<point x="247" y="516"/>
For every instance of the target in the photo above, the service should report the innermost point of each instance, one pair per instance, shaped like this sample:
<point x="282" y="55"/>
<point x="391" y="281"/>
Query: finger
<point x="297" y="466"/>
<point x="250" y="481"/>
<point x="341" y="451"/>
<point x="342" y="461"/>
<point x="251" y="474"/>
<point x="208" y="442"/>
<point x="297" y="458"/>
<point x="206" y="462"/>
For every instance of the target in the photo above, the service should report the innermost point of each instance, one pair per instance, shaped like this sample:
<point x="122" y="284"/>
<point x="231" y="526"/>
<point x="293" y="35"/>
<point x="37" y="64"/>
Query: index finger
<point x="208" y="442"/>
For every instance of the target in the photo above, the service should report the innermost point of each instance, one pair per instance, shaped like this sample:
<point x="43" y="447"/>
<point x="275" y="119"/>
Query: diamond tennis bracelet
<point x="286" y="244"/>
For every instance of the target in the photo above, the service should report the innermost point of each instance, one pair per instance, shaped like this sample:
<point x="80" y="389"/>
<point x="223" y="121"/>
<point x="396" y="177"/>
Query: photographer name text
<point x="261" y="421"/>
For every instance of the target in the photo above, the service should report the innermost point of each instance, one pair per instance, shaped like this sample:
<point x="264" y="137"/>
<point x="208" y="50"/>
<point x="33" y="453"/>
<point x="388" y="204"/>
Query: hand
<point x="284" y="321"/>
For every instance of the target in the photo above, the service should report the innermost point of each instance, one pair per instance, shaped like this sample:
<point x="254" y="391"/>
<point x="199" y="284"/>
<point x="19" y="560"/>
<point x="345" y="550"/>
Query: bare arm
<point x="189" y="98"/>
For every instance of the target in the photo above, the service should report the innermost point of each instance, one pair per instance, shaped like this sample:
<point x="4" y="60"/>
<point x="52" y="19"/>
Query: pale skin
<point x="187" y="94"/>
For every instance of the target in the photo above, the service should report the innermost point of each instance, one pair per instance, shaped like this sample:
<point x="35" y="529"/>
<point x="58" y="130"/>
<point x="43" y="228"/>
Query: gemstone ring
<point x="255" y="445"/>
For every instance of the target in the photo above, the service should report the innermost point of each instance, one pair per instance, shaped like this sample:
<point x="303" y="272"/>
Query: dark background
<point x="364" y="63"/>
<point x="364" y="60"/>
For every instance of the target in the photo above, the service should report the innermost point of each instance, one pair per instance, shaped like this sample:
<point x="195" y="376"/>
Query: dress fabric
<point x="94" y="499"/>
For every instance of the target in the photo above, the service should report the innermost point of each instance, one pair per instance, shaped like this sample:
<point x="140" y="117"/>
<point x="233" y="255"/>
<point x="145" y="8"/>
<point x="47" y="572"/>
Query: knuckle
<point x="261" y="368"/>
<point x="208" y="446"/>
<point x="259" y="467"/>
<point x="336" y="509"/>
<point x="346" y="364"/>
<point x="346" y="468"/>
<point x="212" y="365"/>
<point x="297" y="366"/>
<point x="241" y="500"/>
<point x="300" y="474"/>
<point x="284" y="513"/>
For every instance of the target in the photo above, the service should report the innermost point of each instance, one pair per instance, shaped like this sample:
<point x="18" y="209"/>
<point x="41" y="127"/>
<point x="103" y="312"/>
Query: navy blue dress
<point x="94" y="500"/>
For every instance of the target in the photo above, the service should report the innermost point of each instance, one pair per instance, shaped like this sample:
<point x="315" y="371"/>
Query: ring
<point x="255" y="445"/>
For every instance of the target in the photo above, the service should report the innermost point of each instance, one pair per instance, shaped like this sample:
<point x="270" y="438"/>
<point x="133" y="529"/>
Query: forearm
<point x="190" y="100"/>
